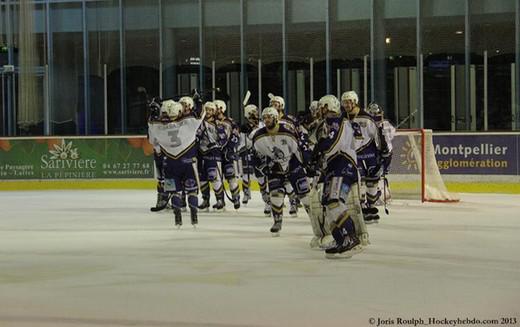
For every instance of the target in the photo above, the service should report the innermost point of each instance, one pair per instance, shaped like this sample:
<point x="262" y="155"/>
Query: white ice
<point x="101" y="258"/>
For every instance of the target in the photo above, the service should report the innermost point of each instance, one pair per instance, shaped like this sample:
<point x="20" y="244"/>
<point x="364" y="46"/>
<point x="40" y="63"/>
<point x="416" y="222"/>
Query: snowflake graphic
<point x="408" y="157"/>
<point x="64" y="151"/>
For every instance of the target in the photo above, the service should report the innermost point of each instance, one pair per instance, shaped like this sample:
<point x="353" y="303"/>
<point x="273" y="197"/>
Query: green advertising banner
<point x="75" y="158"/>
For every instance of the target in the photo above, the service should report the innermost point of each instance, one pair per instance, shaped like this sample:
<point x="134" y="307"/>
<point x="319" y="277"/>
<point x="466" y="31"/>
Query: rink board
<point x="396" y="187"/>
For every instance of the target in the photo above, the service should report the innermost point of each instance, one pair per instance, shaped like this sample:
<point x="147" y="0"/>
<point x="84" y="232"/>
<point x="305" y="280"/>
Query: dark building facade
<point x="82" y="67"/>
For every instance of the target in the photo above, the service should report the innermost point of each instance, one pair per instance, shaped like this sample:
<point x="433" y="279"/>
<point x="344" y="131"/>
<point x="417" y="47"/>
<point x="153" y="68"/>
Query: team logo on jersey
<point x="278" y="153"/>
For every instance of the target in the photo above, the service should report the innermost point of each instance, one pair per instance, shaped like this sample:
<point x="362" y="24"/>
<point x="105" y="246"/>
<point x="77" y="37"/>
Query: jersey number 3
<point x="174" y="138"/>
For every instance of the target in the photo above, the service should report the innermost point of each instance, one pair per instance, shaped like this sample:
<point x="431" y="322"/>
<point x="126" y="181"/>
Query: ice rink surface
<point x="101" y="258"/>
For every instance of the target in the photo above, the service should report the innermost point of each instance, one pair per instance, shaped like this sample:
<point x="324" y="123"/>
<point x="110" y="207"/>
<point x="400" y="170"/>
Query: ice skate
<point x="236" y="203"/>
<point x="178" y="217"/>
<point x="347" y="249"/>
<point x="293" y="209"/>
<point x="277" y="227"/>
<point x="204" y="206"/>
<point x="219" y="206"/>
<point x="247" y="197"/>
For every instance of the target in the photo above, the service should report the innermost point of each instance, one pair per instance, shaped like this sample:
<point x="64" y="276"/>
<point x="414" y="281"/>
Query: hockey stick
<point x="196" y="172"/>
<point x="246" y="98"/>
<point x="385" y="186"/>
<point x="219" y="170"/>
<point x="406" y="119"/>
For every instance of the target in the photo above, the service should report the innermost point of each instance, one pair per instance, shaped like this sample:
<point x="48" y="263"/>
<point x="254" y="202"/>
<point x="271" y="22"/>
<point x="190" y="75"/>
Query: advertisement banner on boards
<point x="464" y="154"/>
<point x="477" y="154"/>
<point x="75" y="158"/>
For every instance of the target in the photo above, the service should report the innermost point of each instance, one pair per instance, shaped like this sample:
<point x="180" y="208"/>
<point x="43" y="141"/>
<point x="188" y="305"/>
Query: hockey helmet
<point x="221" y="105"/>
<point x="187" y="102"/>
<point x="251" y="112"/>
<point x="278" y="102"/>
<point x="350" y="95"/>
<point x="171" y="108"/>
<point x="210" y="108"/>
<point x="313" y="107"/>
<point x="331" y="102"/>
<point x="374" y="109"/>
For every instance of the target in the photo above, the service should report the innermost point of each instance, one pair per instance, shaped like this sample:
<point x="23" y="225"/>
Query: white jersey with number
<point x="175" y="138"/>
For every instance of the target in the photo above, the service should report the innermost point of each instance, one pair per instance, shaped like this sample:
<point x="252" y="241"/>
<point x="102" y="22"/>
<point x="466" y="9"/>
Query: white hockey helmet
<point x="251" y="112"/>
<point x="331" y="102"/>
<point x="210" y="107"/>
<point x="221" y="105"/>
<point x="270" y="111"/>
<point x="279" y="100"/>
<point x="350" y="95"/>
<point x="187" y="102"/>
<point x="374" y="109"/>
<point x="313" y="107"/>
<point x="171" y="108"/>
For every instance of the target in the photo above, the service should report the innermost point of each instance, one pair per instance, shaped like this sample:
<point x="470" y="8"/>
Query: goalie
<point x="336" y="150"/>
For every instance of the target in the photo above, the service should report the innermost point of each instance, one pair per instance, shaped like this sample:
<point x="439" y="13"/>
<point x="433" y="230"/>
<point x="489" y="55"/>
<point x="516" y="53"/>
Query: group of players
<point x="330" y="162"/>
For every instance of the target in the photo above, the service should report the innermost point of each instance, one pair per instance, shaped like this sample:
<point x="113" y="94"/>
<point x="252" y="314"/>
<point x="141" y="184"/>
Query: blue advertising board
<point x="477" y="154"/>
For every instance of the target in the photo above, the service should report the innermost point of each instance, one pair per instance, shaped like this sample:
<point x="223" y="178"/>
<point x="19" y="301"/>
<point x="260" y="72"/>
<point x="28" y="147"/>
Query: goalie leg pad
<point x="355" y="212"/>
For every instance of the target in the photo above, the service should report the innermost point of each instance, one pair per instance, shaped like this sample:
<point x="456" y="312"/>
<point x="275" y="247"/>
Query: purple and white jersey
<point x="246" y="138"/>
<point x="366" y="132"/>
<point x="176" y="138"/>
<point x="278" y="147"/>
<point x="336" y="141"/>
<point x="212" y="137"/>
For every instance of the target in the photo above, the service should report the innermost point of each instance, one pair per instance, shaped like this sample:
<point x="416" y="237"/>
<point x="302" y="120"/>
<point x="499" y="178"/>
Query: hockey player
<point x="229" y="167"/>
<point x="157" y="118"/>
<point x="386" y="134"/>
<point x="245" y="150"/>
<point x="291" y="123"/>
<point x="368" y="149"/>
<point x="212" y="139"/>
<point x="278" y="156"/>
<point x="337" y="153"/>
<point x="187" y="105"/>
<point x="177" y="141"/>
<point x="311" y="122"/>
